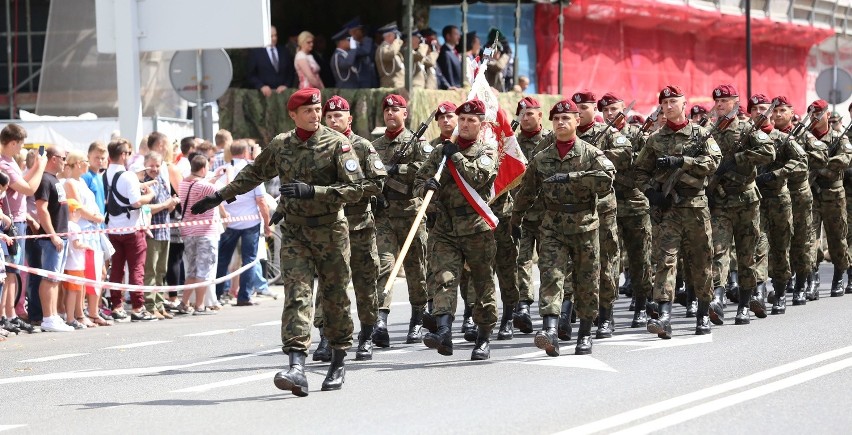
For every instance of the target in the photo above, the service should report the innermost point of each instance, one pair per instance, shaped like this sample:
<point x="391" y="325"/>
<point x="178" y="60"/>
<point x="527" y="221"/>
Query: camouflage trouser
<point x="636" y="243"/>
<point x="324" y="251"/>
<point x="450" y="255"/>
<point x="364" y="263"/>
<point x="530" y="240"/>
<point x="571" y="258"/>
<point x="773" y="247"/>
<point x="830" y="214"/>
<point x="505" y="265"/>
<point x="391" y="233"/>
<point x="608" y="253"/>
<point x="741" y="225"/>
<point x="802" y="241"/>
<point x="684" y="231"/>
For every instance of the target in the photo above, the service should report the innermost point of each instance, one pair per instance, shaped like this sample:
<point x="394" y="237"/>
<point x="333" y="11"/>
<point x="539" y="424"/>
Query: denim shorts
<point x="51" y="259"/>
<point x="21" y="228"/>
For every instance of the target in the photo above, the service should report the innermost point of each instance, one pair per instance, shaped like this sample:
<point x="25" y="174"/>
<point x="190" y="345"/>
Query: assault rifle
<point x="399" y="154"/>
<point x="611" y="123"/>
<point x="652" y="118"/>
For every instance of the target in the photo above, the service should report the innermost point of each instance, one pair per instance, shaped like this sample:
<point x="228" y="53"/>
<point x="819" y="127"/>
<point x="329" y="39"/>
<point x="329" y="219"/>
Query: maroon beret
<point x="741" y="110"/>
<point x="527" y="103"/>
<point x="635" y="119"/>
<point x="472" y="107"/>
<point x="725" y="91"/>
<point x="394" y="100"/>
<point x="669" y="92"/>
<point x="564" y="106"/>
<point x="606" y="100"/>
<point x="584" y="97"/>
<point x="818" y="106"/>
<point x="304" y="97"/>
<point x="698" y="110"/>
<point x="445" y="107"/>
<point x="757" y="99"/>
<point x="782" y="100"/>
<point x="335" y="104"/>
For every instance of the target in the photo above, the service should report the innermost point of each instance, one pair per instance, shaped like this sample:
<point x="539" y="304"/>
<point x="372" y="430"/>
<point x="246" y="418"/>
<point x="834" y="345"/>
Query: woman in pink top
<point x="306" y="66"/>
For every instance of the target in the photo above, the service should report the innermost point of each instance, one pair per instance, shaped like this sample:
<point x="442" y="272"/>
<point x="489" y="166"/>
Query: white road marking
<point x="140" y="344"/>
<point x="101" y="373"/>
<point x="214" y="332"/>
<point x="52" y="358"/>
<point x="653" y="342"/>
<point x="566" y="361"/>
<point x="727" y="401"/>
<point x="10" y="426"/>
<point x="271" y="323"/>
<point x="676" y="402"/>
<point x="227" y="383"/>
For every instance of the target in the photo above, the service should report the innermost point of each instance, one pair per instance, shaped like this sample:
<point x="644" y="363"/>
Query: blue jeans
<point x="21" y="228"/>
<point x="249" y="239"/>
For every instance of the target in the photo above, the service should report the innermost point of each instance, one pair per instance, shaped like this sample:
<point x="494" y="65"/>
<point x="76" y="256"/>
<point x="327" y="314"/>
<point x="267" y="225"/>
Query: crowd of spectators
<point x="65" y="199"/>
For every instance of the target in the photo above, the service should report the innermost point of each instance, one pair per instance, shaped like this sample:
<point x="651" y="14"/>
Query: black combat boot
<point x="732" y="291"/>
<point x="468" y="328"/>
<point x="605" y="323"/>
<point x="336" y="375"/>
<point x="564" y="331"/>
<point x="627" y="288"/>
<point x="652" y="309"/>
<point x="443" y="339"/>
<point x="691" y="303"/>
<point x="757" y="301"/>
<point x="323" y="352"/>
<point x="780" y="304"/>
<point x="521" y="319"/>
<point x="789" y="289"/>
<point x="812" y="293"/>
<point x="365" y="343"/>
<point x="506" y="331"/>
<point x="294" y="379"/>
<point x="702" y="318"/>
<point x="662" y="326"/>
<point x="428" y="320"/>
<point x="717" y="306"/>
<point x="381" y="338"/>
<point x="639" y="317"/>
<point x="743" y="316"/>
<point x="415" y="324"/>
<point x="481" y="351"/>
<point x="632" y="306"/>
<point x="681" y="297"/>
<point x="547" y="339"/>
<point x="584" y="338"/>
<point x="837" y="283"/>
<point x="799" y="290"/>
<point x="849" y="281"/>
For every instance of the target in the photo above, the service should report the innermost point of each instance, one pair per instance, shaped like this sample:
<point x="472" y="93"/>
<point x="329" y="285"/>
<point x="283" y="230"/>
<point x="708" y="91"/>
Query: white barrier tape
<point x="130" y="287"/>
<point x="125" y="230"/>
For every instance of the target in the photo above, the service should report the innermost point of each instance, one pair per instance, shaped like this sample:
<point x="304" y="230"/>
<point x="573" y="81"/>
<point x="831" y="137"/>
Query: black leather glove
<point x="766" y="178"/>
<point x="558" y="178"/>
<point x="297" y="190"/>
<point x="432" y="184"/>
<point x="379" y="202"/>
<point x="656" y="198"/>
<point x="276" y="217"/>
<point x="726" y="166"/>
<point x="449" y="148"/>
<point x="431" y="218"/>
<point x="208" y="202"/>
<point x="847" y="174"/>
<point x="667" y="162"/>
<point x="517" y="233"/>
<point x="392" y="169"/>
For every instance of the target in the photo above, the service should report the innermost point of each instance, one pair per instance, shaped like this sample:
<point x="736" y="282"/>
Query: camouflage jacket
<point x="530" y="146"/>
<point x="327" y="161"/>
<point x="477" y="165"/>
<point x="398" y="188"/>
<point x="790" y="163"/>
<point x="617" y="149"/>
<point x="827" y="175"/>
<point x="631" y="201"/>
<point x="569" y="208"/>
<point x="689" y="187"/>
<point x="360" y="215"/>
<point x="736" y="186"/>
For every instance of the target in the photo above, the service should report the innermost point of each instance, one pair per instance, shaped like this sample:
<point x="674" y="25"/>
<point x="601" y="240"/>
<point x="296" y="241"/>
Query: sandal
<point x="183" y="309"/>
<point x="99" y="322"/>
<point x="86" y="322"/>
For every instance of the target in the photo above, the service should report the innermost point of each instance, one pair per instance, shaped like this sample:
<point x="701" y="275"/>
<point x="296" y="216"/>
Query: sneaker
<point x="55" y="324"/>
<point x="106" y="316"/>
<point x="142" y="316"/>
<point x="76" y="325"/>
<point x="120" y="316"/>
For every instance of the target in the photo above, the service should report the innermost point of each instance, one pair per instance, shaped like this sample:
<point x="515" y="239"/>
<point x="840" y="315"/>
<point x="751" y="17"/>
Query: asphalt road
<point x="784" y="374"/>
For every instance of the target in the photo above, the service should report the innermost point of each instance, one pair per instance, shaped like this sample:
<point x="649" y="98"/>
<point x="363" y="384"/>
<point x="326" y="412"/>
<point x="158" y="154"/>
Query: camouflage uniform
<point x="315" y="234"/>
<point x="802" y="200"/>
<point x="530" y="235"/>
<point x="829" y="196"/>
<point x="393" y="223"/>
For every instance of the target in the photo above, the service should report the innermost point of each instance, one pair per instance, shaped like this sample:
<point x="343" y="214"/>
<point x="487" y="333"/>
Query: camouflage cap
<point x="607" y="99"/>
<point x="527" y="103"/>
<point x="335" y="104"/>
<point x="472" y="107"/>
<point x="564" y="106"/>
<point x="303" y="97"/>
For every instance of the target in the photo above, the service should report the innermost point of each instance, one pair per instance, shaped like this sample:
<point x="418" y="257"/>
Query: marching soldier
<point x="672" y="169"/>
<point x="389" y="61"/>
<point x="320" y="172"/>
<point x="829" y="197"/>
<point x="533" y="138"/>
<point x="698" y="115"/>
<point x="634" y="222"/>
<point x="398" y="209"/>
<point x="776" y="214"/>
<point x="461" y="234"/>
<point x="735" y="207"/>
<point x="620" y="152"/>
<point x="566" y="178"/>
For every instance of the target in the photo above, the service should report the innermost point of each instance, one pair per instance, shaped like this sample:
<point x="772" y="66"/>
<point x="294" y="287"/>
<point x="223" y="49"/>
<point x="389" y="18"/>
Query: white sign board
<point x="171" y="25"/>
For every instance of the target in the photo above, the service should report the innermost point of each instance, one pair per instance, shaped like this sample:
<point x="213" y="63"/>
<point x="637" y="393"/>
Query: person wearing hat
<point x="430" y="61"/>
<point x="566" y="178"/>
<point x="389" y="63"/>
<point x="343" y="61"/>
<point x="836" y="121"/>
<point x="462" y="235"/>
<point x="533" y="138"/>
<point x="395" y="217"/>
<point x="682" y="216"/>
<point x="619" y="151"/>
<point x="829" y="192"/>
<point x="270" y="69"/>
<point x="632" y="218"/>
<point x="365" y="52"/>
<point x="319" y="173"/>
<point x="698" y="115"/>
<point x="423" y="60"/>
<point x="735" y="206"/>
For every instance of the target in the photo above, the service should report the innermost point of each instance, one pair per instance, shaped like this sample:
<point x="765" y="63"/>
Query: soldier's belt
<point x="397" y="186"/>
<point x="797" y="185"/>
<point x="314" y="221"/>
<point x="356" y="209"/>
<point x="772" y="192"/>
<point x="688" y="191"/>
<point x="736" y="190"/>
<point x="571" y="208"/>
<point x="825" y="183"/>
<point x="392" y="195"/>
<point x="464" y="210"/>
<point x="627" y="193"/>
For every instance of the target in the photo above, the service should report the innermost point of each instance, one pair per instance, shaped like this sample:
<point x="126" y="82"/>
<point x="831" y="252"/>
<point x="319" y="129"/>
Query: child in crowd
<point x="75" y="265"/>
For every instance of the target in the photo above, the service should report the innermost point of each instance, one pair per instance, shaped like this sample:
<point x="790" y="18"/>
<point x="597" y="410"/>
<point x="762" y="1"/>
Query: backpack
<point x="112" y="206"/>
